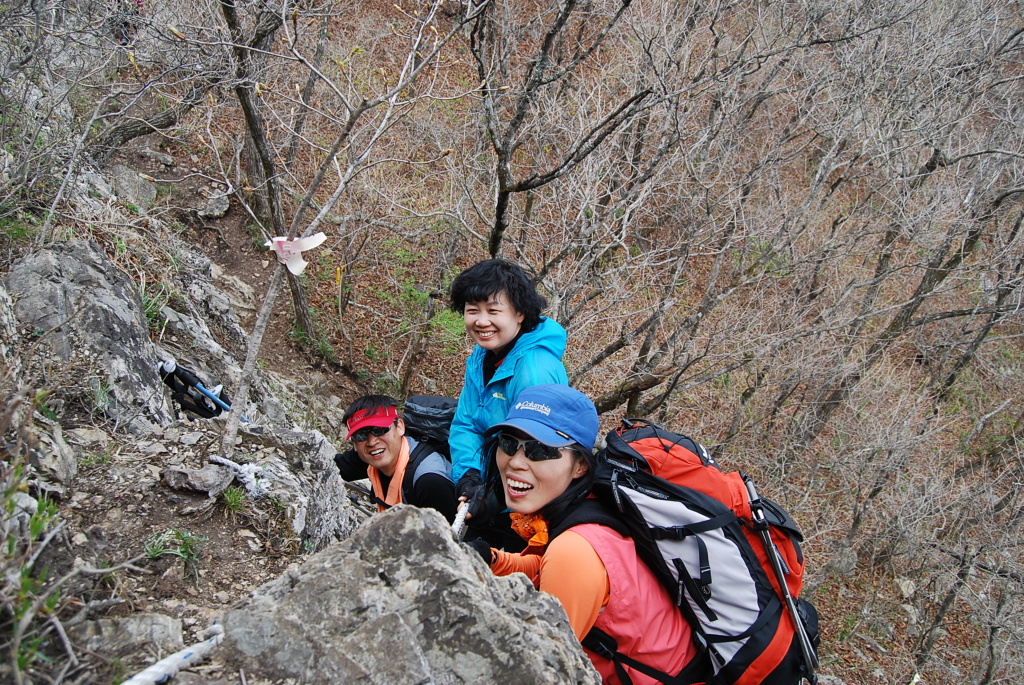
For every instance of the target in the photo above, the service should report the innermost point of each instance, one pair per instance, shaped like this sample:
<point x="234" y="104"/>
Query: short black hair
<point x="368" y="402"/>
<point x="489" y="277"/>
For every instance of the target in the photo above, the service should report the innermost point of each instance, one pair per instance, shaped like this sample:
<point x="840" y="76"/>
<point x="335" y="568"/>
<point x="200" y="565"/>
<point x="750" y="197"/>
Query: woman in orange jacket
<point x="542" y="462"/>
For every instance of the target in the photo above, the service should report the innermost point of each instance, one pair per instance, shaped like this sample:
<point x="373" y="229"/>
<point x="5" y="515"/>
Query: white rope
<point x="459" y="524"/>
<point x="249" y="475"/>
<point x="165" y="669"/>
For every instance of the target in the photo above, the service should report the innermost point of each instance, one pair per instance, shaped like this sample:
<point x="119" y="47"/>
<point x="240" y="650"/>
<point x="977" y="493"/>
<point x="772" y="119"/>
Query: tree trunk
<point x="255" y="190"/>
<point x="115" y="137"/>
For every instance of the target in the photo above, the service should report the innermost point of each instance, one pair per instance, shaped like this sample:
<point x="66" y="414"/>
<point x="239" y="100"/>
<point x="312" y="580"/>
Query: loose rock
<point x="216" y="207"/>
<point x="116" y="637"/>
<point x="132" y="188"/>
<point x="211" y="479"/>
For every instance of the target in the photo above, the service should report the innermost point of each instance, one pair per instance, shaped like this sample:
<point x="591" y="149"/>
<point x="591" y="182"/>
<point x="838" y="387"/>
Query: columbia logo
<point x="534" y="406"/>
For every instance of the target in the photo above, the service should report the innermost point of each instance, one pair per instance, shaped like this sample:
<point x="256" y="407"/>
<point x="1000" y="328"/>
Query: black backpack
<point x="428" y="420"/>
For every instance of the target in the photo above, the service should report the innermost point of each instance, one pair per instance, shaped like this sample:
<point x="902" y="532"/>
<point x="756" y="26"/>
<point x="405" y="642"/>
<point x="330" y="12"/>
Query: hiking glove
<point x="481" y="547"/>
<point x="470" y="486"/>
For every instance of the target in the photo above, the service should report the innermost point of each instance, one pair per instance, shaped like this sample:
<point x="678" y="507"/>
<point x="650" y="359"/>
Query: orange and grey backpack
<point x="730" y="559"/>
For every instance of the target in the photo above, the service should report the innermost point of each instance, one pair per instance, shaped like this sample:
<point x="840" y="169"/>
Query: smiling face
<point x="494" y="323"/>
<point x="382" y="452"/>
<point x="529" y="486"/>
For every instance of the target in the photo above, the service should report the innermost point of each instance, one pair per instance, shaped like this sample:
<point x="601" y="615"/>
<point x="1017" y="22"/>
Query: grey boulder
<point x="400" y="602"/>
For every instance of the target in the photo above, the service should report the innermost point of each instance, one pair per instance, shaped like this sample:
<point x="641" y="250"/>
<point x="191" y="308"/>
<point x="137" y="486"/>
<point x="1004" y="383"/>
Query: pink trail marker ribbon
<point x="289" y="252"/>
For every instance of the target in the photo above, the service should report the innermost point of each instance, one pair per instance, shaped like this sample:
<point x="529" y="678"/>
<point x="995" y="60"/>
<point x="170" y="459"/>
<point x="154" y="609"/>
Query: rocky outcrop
<point x="95" y="323"/>
<point x="239" y="293"/>
<point x="301" y="474"/>
<point x="296" y="471"/>
<point x="400" y="602"/>
<point x="207" y="303"/>
<point x="90" y="313"/>
<point x="297" y="476"/>
<point x="8" y="329"/>
<point x="115" y="637"/>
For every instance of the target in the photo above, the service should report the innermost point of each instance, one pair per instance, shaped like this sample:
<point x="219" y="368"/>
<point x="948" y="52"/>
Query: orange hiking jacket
<point x="599" y="579"/>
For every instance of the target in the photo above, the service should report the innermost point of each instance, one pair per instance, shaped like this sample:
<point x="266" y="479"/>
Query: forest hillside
<point x="789" y="229"/>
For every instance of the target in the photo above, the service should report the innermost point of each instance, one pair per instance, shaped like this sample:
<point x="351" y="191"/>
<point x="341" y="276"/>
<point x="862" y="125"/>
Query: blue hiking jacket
<point x="535" y="359"/>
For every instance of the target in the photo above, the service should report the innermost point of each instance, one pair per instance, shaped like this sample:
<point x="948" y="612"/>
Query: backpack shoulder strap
<point x="604" y="645"/>
<point x="590" y="510"/>
<point x="421" y="449"/>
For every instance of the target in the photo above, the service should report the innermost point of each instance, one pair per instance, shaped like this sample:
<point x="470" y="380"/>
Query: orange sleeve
<point x="506" y="563"/>
<point x="572" y="571"/>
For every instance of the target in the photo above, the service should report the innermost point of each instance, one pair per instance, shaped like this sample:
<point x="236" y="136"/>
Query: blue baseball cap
<point x="555" y="414"/>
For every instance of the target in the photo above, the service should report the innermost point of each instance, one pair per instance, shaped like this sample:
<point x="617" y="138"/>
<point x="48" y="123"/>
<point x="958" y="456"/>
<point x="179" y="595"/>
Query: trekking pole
<point x="190" y="379"/>
<point x="761" y="526"/>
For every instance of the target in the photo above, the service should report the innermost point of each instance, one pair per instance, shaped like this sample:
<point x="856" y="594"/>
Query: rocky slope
<point x="156" y="537"/>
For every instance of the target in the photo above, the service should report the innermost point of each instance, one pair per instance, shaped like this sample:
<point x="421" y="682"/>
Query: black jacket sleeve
<point x="437" y="492"/>
<point x="350" y="466"/>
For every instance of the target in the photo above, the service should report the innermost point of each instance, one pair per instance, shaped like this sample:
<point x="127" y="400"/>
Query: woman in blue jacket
<point x="516" y="348"/>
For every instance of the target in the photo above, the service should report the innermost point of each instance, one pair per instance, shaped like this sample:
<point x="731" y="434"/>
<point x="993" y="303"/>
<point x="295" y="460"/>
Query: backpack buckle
<point x="601" y="643"/>
<point x="700" y="640"/>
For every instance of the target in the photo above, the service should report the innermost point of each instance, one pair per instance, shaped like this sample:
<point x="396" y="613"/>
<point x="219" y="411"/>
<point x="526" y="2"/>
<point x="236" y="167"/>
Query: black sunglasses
<point x="363" y="434"/>
<point x="535" y="450"/>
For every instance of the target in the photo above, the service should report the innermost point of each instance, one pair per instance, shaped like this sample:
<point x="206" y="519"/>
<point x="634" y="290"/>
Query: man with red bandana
<point x="401" y="470"/>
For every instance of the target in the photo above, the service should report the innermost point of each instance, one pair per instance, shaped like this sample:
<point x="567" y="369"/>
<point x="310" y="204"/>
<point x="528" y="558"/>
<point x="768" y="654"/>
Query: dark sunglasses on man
<point x="363" y="434"/>
<point x="535" y="450"/>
